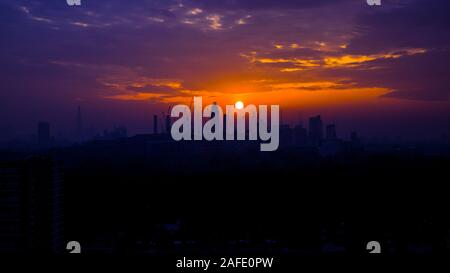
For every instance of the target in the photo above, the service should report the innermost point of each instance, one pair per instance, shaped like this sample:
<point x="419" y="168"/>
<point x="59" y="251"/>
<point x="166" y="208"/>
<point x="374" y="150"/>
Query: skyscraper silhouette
<point x="331" y="132"/>
<point x="354" y="138"/>
<point x="31" y="214"/>
<point x="315" y="130"/>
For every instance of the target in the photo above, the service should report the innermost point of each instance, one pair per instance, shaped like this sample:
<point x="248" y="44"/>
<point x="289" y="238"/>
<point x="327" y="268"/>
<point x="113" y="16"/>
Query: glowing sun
<point x="239" y="105"/>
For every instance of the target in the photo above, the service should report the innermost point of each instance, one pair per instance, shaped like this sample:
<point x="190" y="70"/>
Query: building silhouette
<point x="331" y="132"/>
<point x="168" y="124"/>
<point x="300" y="135"/>
<point x="31" y="207"/>
<point x="286" y="136"/>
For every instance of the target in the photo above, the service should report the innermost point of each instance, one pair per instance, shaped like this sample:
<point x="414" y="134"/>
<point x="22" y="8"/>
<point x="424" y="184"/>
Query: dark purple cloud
<point x="55" y="56"/>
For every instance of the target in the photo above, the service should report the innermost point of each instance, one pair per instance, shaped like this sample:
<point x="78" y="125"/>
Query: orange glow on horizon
<point x="285" y="95"/>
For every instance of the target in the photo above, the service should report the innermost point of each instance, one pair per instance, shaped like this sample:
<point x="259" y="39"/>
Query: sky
<point x="382" y="71"/>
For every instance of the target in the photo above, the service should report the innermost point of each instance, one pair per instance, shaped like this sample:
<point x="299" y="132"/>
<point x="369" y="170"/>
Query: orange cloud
<point x="298" y="64"/>
<point x="354" y="60"/>
<point x="135" y="96"/>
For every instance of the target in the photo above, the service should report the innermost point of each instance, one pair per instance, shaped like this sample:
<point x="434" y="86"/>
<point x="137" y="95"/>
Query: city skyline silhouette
<point x="89" y="165"/>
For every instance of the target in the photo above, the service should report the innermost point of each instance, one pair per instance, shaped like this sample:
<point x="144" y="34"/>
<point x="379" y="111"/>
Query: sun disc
<point x="239" y="105"/>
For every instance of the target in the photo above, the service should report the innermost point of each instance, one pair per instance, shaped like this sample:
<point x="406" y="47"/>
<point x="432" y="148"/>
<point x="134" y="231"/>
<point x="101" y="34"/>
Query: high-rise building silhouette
<point x="315" y="130"/>
<point x="300" y="135"/>
<point x="44" y="134"/>
<point x="31" y="214"/>
<point x="331" y="132"/>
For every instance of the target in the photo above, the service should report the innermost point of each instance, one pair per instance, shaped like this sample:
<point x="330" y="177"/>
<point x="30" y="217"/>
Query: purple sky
<point x="123" y="61"/>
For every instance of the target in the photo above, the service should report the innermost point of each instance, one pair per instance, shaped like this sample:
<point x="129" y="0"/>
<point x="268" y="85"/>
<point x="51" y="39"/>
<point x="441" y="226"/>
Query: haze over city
<point x="382" y="71"/>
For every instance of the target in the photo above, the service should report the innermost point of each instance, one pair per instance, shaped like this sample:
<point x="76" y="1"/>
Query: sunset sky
<point x="378" y="70"/>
